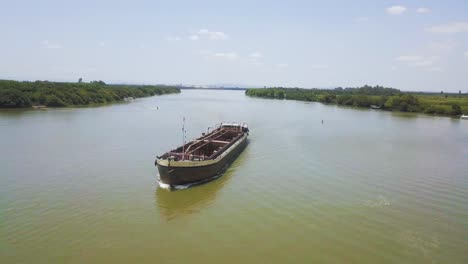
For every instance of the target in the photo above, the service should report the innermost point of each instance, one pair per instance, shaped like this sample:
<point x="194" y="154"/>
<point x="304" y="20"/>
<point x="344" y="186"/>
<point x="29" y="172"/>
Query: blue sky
<point x="409" y="45"/>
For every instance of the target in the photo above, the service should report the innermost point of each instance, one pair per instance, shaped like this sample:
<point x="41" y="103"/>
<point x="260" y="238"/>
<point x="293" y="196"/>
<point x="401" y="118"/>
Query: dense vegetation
<point x="15" y="94"/>
<point x="378" y="96"/>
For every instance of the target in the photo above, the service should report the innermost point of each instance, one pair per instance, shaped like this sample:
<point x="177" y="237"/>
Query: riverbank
<point x="377" y="97"/>
<point x="14" y="94"/>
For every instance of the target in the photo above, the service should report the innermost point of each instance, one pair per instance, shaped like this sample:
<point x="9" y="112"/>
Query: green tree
<point x="456" y="109"/>
<point x="280" y="94"/>
<point x="52" y="100"/>
<point x="13" y="98"/>
<point x="25" y="94"/>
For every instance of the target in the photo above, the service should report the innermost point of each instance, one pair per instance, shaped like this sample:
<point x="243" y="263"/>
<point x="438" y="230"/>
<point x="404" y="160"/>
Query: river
<point x="78" y="185"/>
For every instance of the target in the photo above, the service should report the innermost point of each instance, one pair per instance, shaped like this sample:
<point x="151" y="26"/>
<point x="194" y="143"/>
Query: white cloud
<point x="101" y="44"/>
<point x="318" y="67"/>
<point x="466" y="54"/>
<point x="173" y="38"/>
<point x="204" y="52"/>
<point x="427" y="62"/>
<point x="396" y="10"/>
<point x="194" y="37"/>
<point x="362" y="19"/>
<point x="256" y="55"/>
<point x="443" y="46"/>
<point x="435" y="69"/>
<point x="213" y="35"/>
<point x="46" y="44"/>
<point x="226" y="55"/>
<point x="408" y="58"/>
<point x="423" y="10"/>
<point x="456" y="27"/>
<point x="219" y="55"/>
<point x="258" y="64"/>
<point x="423" y="63"/>
<point x="281" y="65"/>
<point x="255" y="58"/>
<point x="207" y="34"/>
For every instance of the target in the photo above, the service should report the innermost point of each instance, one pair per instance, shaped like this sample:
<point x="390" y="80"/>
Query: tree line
<point x="15" y="94"/>
<point x="367" y="96"/>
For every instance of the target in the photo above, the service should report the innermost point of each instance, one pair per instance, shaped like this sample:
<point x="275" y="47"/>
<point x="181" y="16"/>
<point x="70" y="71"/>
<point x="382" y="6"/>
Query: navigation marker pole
<point x="183" y="138"/>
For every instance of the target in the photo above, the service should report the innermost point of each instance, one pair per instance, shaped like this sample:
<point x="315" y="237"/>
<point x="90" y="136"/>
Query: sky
<point x="408" y="45"/>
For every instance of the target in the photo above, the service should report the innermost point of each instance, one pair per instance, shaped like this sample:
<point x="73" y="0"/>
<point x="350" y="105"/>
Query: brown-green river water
<point x="79" y="185"/>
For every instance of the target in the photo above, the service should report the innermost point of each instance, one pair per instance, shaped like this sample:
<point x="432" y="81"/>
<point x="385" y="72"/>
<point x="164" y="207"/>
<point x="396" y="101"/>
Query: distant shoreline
<point x="43" y="94"/>
<point x="378" y="97"/>
<point x="214" y="88"/>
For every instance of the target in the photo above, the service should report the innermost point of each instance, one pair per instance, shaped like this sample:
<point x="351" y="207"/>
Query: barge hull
<point x="187" y="175"/>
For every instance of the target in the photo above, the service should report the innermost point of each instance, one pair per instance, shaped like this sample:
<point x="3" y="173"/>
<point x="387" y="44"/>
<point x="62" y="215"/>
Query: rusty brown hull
<point x="195" y="174"/>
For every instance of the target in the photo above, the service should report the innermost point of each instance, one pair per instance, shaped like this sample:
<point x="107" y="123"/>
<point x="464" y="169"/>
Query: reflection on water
<point x="175" y="204"/>
<point x="191" y="200"/>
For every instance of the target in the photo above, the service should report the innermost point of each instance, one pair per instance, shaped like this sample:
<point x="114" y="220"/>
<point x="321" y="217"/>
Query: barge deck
<point x="203" y="158"/>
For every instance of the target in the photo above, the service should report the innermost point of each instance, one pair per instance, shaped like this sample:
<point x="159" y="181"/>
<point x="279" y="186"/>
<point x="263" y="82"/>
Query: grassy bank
<point x="378" y="96"/>
<point x="14" y="94"/>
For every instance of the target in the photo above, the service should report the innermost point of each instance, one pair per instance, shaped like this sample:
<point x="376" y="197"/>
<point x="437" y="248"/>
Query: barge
<point x="203" y="158"/>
